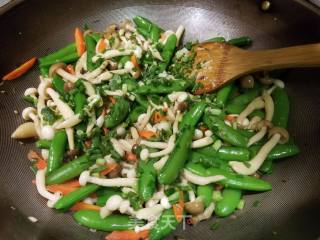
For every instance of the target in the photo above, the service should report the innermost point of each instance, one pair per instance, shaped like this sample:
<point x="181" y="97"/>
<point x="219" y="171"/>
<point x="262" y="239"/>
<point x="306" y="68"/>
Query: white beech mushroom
<point x="159" y="145"/>
<point x="253" y="122"/>
<point x="199" y="180"/>
<point x="257" y="103"/>
<point x="277" y="135"/>
<point x="263" y="127"/>
<point x="58" y="68"/>
<point x="247" y="81"/>
<point x="111" y="54"/>
<point x="205" y="215"/>
<point x="202" y="142"/>
<point x="179" y="33"/>
<point x="268" y="105"/>
<point x="169" y="149"/>
<point x="30" y="113"/>
<point x="195" y="207"/>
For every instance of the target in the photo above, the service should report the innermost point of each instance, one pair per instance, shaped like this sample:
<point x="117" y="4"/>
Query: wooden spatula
<point x="219" y="63"/>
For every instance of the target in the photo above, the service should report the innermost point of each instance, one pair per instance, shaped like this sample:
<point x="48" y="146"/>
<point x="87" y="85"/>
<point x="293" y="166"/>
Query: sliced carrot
<point x="79" y="40"/>
<point x="128" y="235"/>
<point x="158" y="117"/>
<point x="101" y="45"/>
<point x="88" y="143"/>
<point x="70" y="69"/>
<point x="146" y="134"/>
<point x="40" y="163"/>
<point x="131" y="157"/>
<point x="105" y="131"/>
<point x="112" y="99"/>
<point x="134" y="61"/>
<point x="109" y="169"/>
<point x="230" y="118"/>
<point x="178" y="208"/>
<point x="64" y="188"/>
<point x="84" y="206"/>
<point x="23" y="68"/>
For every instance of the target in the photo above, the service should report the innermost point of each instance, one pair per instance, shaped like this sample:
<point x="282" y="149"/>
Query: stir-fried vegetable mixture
<point x="128" y="147"/>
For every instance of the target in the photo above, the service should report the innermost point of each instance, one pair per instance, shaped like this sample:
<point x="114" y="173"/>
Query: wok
<point x="33" y="28"/>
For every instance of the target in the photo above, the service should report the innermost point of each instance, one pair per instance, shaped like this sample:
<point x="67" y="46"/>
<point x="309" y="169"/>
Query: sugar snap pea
<point x="281" y="107"/>
<point x="205" y="193"/>
<point x="168" y="51"/>
<point x="69" y="49"/>
<point x="229" y="202"/>
<point x="43" y="144"/>
<point x="147" y="180"/>
<point x="118" y="113"/>
<point x="56" y="150"/>
<point x="241" y="41"/>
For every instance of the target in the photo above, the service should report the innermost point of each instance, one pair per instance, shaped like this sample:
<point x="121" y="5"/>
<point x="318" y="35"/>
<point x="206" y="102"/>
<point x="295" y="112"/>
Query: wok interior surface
<point x="290" y="211"/>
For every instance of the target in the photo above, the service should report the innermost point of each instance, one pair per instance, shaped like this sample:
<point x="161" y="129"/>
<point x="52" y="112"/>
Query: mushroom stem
<point x="205" y="215"/>
<point x="64" y="108"/>
<point x="258" y="160"/>
<point x="257" y="103"/>
<point x="70" y="137"/>
<point x="196" y="179"/>
<point x="269" y="106"/>
<point x="67" y="76"/>
<point x="258" y="136"/>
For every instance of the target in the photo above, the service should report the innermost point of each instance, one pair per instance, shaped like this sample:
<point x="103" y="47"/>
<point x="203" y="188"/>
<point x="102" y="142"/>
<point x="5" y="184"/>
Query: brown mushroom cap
<point x="283" y="132"/>
<point x="53" y="69"/>
<point x="247" y="81"/>
<point x="196" y="207"/>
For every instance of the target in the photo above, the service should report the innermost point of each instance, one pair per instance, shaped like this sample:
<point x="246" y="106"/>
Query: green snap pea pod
<point x="216" y="39"/>
<point x="143" y="32"/>
<point x="124" y="59"/>
<point x="162" y="88"/>
<point x="135" y="113"/>
<point x="154" y="34"/>
<point x="192" y="117"/>
<point x="69" y="170"/>
<point x="177" y="158"/>
<point x="281" y="107"/>
<point x="142" y="100"/>
<point x="43" y="144"/>
<point x="145" y="23"/>
<point x="205" y="193"/>
<point x="267" y="167"/>
<point x="114" y="222"/>
<point x="72" y="57"/>
<point x="91" y="51"/>
<point x="30" y="100"/>
<point x="246" y="133"/>
<point x="209" y="161"/>
<point x="44" y="71"/>
<point x="105" y="194"/>
<point x="168" y="51"/>
<point x="241" y="41"/>
<point x="147" y="180"/>
<point x="96" y="36"/>
<point x="56" y="151"/>
<point x="69" y="49"/>
<point x="80" y="101"/>
<point x="229" y="202"/>
<point x="231" y="180"/>
<point x="118" y="113"/>
<point x="225" y="132"/>
<point x="73" y="197"/>
<point x="164" y="226"/>
<point x="242" y="100"/>
<point x="223" y="94"/>
<point x="58" y="84"/>
<point x="234" y="154"/>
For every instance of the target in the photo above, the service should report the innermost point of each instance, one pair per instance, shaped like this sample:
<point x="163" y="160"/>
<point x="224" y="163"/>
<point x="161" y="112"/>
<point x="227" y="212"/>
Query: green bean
<point x="118" y="112"/>
<point x="72" y="57"/>
<point x="80" y="101"/>
<point x="91" y="51"/>
<point x="56" y="151"/>
<point x="105" y="194"/>
<point x="223" y="131"/>
<point x="234" y="154"/>
<point x="69" y="49"/>
<point x="73" y="197"/>
<point x="216" y="39"/>
<point x="164" y="226"/>
<point x="168" y="51"/>
<point x="223" y="94"/>
<point x="44" y="71"/>
<point x="177" y="158"/>
<point x="69" y="170"/>
<point x="135" y="113"/>
<point x="192" y="117"/>
<point x="114" y="222"/>
<point x="58" y="84"/>
<point x="161" y="88"/>
<point x="231" y="180"/>
<point x="147" y="180"/>
<point x="241" y="41"/>
<point x="205" y="193"/>
<point x="281" y="108"/>
<point x="43" y="144"/>
<point x="229" y="202"/>
<point x="30" y="100"/>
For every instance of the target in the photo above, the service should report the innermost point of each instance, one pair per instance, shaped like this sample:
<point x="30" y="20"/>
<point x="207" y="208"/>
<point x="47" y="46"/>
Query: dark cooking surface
<point x="290" y="211"/>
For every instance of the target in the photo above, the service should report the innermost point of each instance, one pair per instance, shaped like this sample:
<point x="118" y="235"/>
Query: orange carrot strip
<point x="112" y="99"/>
<point x="130" y="156"/>
<point x="178" y="208"/>
<point x="230" y="118"/>
<point x="81" y="47"/>
<point x="158" y="117"/>
<point x="41" y="164"/>
<point x="70" y="69"/>
<point x="61" y="188"/>
<point x="23" y="68"/>
<point x="109" y="169"/>
<point x="88" y="143"/>
<point x="134" y="61"/>
<point x="101" y="45"/>
<point x="128" y="235"/>
<point x="84" y="206"/>
<point x="146" y="134"/>
<point x="34" y="156"/>
<point x="105" y="131"/>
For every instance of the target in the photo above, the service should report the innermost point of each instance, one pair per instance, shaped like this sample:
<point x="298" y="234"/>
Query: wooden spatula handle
<point x="290" y="57"/>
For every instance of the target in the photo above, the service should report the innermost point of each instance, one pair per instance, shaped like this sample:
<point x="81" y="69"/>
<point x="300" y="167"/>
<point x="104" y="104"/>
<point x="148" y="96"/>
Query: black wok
<point x="290" y="211"/>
